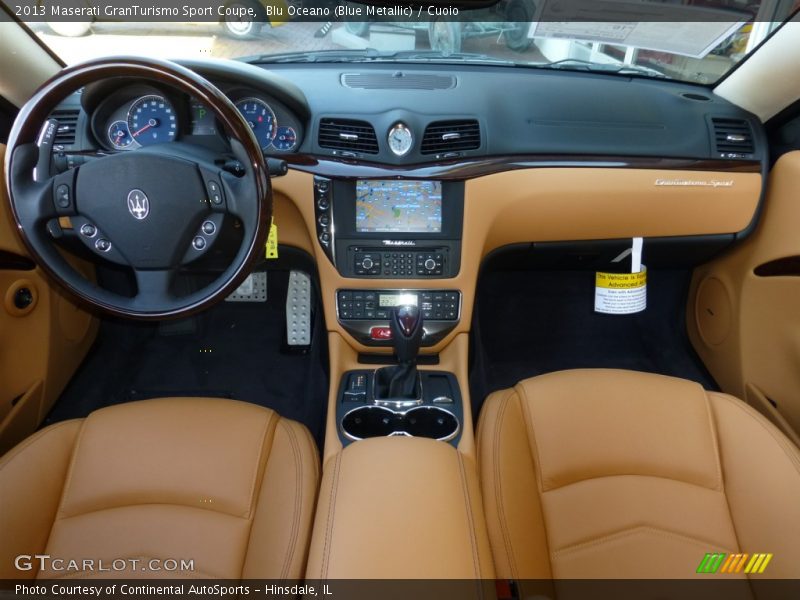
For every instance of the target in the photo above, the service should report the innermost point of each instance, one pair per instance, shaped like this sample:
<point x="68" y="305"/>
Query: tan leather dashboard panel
<point x="543" y="204"/>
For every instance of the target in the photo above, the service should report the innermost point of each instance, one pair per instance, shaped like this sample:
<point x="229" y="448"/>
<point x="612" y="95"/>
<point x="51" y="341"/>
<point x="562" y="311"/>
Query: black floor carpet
<point x="234" y="350"/>
<point x="533" y="322"/>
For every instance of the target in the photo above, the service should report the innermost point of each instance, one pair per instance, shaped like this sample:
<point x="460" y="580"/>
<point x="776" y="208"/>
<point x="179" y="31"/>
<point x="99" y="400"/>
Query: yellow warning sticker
<point x="621" y="281"/>
<point x="620" y="293"/>
<point x="272" y="241"/>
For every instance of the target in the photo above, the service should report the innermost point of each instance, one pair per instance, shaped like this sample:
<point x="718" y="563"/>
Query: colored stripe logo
<point x="718" y="562"/>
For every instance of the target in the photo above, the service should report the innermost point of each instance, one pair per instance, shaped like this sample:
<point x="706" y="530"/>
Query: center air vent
<point x="398" y="81"/>
<point x="67" y="126"/>
<point x="442" y="137"/>
<point x="348" y="135"/>
<point x="733" y="138"/>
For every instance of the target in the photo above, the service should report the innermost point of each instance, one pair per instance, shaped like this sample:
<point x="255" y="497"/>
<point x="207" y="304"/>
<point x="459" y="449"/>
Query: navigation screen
<point x="399" y="206"/>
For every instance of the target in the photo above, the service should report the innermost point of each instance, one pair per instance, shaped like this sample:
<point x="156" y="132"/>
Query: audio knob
<point x="367" y="263"/>
<point x="430" y="264"/>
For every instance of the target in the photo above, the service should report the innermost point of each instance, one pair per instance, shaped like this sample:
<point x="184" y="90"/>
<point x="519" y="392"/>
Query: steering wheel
<point x="153" y="210"/>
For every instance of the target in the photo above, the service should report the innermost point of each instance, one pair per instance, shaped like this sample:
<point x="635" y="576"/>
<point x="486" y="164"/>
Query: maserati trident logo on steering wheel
<point x="138" y="205"/>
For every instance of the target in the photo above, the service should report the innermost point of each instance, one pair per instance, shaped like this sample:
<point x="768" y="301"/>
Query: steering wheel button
<point x="209" y="228"/>
<point x="103" y="245"/>
<point x="199" y="243"/>
<point x="62" y="196"/>
<point x="88" y="230"/>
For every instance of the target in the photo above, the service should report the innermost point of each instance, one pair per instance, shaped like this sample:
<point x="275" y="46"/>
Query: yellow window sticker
<point x="272" y="241"/>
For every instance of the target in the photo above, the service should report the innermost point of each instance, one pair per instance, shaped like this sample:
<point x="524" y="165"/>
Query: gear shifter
<point x="402" y="381"/>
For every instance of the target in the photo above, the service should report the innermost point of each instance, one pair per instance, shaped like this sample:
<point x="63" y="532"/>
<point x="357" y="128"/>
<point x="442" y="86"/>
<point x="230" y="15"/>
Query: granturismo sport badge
<point x="715" y="183"/>
<point x="138" y="204"/>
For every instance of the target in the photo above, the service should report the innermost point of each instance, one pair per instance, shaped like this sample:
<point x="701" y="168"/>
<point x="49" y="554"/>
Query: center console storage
<point x="381" y="496"/>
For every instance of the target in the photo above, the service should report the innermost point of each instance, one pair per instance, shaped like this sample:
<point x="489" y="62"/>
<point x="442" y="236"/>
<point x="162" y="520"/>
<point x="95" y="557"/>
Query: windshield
<point x="696" y="41"/>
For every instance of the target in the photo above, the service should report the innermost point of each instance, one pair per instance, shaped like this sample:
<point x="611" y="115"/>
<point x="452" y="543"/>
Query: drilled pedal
<point x="298" y="309"/>
<point x="252" y="289"/>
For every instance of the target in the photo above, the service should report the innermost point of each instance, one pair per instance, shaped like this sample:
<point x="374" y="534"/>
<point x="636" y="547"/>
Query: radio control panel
<point x="401" y="264"/>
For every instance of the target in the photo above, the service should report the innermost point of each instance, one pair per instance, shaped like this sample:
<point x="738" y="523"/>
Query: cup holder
<point x="421" y="421"/>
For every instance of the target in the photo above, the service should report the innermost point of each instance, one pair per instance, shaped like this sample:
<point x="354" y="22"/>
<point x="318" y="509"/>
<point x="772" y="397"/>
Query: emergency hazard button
<point x="380" y="333"/>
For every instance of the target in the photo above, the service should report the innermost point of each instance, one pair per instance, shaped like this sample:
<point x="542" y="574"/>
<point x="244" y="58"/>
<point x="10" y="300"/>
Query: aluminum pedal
<point x="252" y="289"/>
<point x="298" y="309"/>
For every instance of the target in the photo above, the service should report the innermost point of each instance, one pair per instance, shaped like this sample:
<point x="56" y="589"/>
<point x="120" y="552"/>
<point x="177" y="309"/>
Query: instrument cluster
<point x="139" y="116"/>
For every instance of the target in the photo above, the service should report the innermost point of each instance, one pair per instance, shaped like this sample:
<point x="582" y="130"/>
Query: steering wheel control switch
<point x="298" y="309"/>
<point x="252" y="289"/>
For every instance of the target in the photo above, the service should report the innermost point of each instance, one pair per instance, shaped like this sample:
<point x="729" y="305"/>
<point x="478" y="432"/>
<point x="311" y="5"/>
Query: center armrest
<point x="400" y="508"/>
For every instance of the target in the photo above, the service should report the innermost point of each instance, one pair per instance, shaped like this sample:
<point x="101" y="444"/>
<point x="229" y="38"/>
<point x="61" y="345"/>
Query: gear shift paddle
<point x="402" y="381"/>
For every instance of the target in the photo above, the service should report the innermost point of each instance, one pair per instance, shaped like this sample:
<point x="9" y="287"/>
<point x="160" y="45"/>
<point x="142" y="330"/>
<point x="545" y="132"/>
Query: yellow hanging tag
<point x="272" y="241"/>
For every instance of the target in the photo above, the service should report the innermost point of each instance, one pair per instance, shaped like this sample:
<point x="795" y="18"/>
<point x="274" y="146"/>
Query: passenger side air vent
<point x="733" y="138"/>
<point x="444" y="137"/>
<point x="398" y="81"/>
<point x="67" y="126"/>
<point x="347" y="136"/>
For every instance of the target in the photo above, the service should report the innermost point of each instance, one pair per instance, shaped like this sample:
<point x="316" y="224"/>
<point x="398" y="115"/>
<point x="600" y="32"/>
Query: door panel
<point x="744" y="308"/>
<point x="42" y="345"/>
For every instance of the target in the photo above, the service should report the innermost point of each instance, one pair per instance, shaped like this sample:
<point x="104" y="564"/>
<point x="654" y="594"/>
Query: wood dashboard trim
<point x="470" y="169"/>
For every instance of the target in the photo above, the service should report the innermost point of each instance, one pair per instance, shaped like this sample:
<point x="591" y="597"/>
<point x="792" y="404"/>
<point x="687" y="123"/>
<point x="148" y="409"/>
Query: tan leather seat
<point x="228" y="485"/>
<point x="603" y="473"/>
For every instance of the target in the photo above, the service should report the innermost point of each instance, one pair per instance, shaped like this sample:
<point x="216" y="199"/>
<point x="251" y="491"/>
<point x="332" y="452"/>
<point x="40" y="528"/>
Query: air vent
<point x="398" y="81"/>
<point x="348" y="135"/>
<point x="67" y="126"/>
<point x="733" y="137"/>
<point x="443" y="137"/>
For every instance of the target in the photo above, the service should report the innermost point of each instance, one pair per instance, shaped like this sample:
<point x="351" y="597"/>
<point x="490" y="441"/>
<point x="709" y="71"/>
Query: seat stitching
<point x="525" y="406"/>
<point x="68" y="480"/>
<point x="248" y="513"/>
<point x="785" y="445"/>
<point x="498" y="484"/>
<point x="131" y="505"/>
<point x="714" y="441"/>
<point x="298" y="469"/>
<point x="633" y="531"/>
<point x="331" y="512"/>
<point x="470" y="516"/>
<point x="536" y="459"/>
<point x="715" y="438"/>
<point x="568" y="484"/>
<point x="19" y="448"/>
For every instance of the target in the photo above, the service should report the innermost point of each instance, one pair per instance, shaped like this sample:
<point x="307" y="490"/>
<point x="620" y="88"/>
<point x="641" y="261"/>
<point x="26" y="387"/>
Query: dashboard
<point x="406" y="178"/>
<point x="137" y="115"/>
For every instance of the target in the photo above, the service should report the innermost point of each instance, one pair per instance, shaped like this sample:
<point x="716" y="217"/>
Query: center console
<point x="390" y="228"/>
<point x="400" y="400"/>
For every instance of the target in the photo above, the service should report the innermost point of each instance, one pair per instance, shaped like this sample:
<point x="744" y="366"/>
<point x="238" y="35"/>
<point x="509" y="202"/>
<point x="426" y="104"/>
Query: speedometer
<point x="261" y="119"/>
<point x="151" y="120"/>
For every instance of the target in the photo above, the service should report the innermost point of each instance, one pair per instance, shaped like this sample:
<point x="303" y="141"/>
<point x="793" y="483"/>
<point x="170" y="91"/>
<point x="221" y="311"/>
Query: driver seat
<point x="228" y="485"/>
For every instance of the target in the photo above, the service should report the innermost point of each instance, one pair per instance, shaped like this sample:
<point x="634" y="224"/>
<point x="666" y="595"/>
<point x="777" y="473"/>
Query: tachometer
<point x="152" y="120"/>
<point x="285" y="139"/>
<point x="261" y="119"/>
<point x="119" y="135"/>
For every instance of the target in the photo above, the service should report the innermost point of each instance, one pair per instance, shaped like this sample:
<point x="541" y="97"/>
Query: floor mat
<point x="234" y="350"/>
<point x="528" y="323"/>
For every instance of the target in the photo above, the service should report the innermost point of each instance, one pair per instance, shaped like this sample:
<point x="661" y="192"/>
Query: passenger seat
<point x="617" y="474"/>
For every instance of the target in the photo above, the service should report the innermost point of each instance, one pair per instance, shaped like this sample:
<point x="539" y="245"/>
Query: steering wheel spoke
<point x="153" y="286"/>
